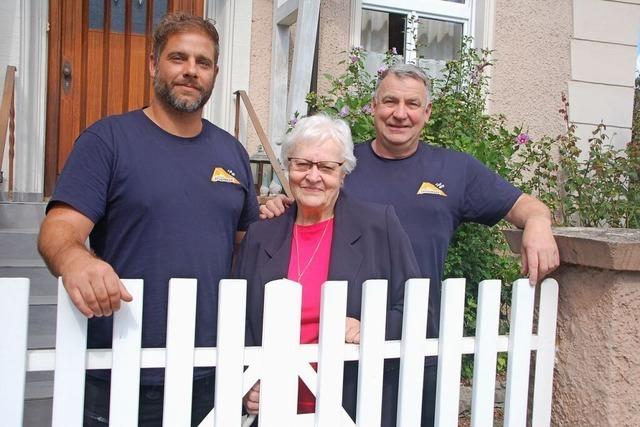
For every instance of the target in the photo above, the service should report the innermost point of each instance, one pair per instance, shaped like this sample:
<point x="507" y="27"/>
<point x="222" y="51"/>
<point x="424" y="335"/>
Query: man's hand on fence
<point x="275" y="207"/>
<point x="539" y="251"/>
<point x="352" y="331"/>
<point x="251" y="400"/>
<point x="93" y="286"/>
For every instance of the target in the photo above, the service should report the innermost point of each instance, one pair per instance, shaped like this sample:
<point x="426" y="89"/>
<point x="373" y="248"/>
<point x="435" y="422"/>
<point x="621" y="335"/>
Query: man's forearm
<point x="528" y="208"/>
<point x="59" y="244"/>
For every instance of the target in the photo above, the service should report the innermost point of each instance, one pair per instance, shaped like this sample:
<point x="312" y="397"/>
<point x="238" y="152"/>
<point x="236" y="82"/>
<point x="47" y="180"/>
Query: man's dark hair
<point x="180" y="22"/>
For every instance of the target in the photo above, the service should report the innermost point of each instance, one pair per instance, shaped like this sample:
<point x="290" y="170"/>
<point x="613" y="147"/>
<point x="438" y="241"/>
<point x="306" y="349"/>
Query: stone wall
<point x="597" y="373"/>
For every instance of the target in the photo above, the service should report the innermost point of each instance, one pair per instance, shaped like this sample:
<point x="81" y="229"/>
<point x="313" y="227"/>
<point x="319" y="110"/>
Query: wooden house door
<point x="98" y="52"/>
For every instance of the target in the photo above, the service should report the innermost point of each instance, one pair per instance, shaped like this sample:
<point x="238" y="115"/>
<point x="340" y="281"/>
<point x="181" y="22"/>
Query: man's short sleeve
<point x="86" y="177"/>
<point x="250" y="208"/>
<point x="488" y="197"/>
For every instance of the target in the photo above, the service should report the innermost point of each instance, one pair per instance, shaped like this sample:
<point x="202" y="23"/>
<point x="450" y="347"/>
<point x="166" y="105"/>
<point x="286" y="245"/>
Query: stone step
<point x="42" y="327"/>
<point x="37" y="412"/>
<point x="18" y="248"/>
<point x="42" y="282"/>
<point x="21" y="215"/>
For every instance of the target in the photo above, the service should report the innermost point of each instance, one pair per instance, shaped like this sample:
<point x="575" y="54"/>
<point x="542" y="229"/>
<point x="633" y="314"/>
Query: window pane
<point x="96" y="14"/>
<point x="380" y="32"/>
<point x="438" y="42"/>
<point x="139" y="17"/>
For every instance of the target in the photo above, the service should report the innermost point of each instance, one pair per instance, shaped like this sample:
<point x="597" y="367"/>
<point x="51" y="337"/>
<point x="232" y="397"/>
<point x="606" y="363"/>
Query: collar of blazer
<point x="346" y="255"/>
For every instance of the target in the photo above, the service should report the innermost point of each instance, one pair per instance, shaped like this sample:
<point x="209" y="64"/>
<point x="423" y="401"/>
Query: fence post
<point x="371" y="367"/>
<point x="520" y="331"/>
<point x="414" y="332"/>
<point x="450" y="352"/>
<point x="333" y="308"/>
<point x="546" y="354"/>
<point x="70" y="371"/>
<point x="181" y="330"/>
<point x="125" y="370"/>
<point x="280" y="343"/>
<point x="14" y="315"/>
<point x="484" y="360"/>
<point x="232" y="299"/>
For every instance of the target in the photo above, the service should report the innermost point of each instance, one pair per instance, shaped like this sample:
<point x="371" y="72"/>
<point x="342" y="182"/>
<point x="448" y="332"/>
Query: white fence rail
<point x="280" y="360"/>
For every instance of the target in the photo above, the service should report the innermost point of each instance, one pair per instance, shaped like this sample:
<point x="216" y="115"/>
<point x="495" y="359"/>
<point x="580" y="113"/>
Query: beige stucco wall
<point x="532" y="55"/>
<point x="597" y="367"/>
<point x="333" y="37"/>
<point x="334" y="32"/>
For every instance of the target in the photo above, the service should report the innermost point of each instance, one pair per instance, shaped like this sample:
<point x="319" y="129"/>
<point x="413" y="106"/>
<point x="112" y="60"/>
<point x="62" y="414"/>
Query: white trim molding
<point x="31" y="101"/>
<point x="233" y="22"/>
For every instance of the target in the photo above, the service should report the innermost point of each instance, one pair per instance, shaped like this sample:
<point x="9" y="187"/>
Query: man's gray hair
<point x="320" y="128"/>
<point x="405" y="71"/>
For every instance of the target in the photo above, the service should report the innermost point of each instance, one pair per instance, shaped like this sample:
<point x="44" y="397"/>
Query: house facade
<point x="78" y="60"/>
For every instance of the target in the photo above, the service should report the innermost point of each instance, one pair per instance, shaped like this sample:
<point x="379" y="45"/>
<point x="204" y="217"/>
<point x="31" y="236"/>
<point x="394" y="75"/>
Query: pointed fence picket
<point x="281" y="360"/>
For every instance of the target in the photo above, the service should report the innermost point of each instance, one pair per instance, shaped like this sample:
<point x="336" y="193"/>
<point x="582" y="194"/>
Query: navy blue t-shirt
<point x="163" y="206"/>
<point x="433" y="191"/>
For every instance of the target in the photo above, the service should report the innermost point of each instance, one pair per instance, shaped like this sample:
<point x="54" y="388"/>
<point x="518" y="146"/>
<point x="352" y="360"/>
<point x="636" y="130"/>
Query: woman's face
<point x="316" y="174"/>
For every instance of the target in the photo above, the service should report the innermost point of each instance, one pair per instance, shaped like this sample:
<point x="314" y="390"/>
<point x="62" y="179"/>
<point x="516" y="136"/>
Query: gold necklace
<point x="315" y="251"/>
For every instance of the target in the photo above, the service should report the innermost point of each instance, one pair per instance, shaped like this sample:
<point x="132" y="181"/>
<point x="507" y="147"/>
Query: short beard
<point x="163" y="92"/>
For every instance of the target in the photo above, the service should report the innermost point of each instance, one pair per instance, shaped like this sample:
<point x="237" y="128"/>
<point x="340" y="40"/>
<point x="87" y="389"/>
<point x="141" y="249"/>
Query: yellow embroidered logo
<point x="429" y="188"/>
<point x="221" y="175"/>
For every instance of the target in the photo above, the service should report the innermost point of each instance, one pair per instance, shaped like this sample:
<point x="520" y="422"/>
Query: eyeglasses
<point x="326" y="167"/>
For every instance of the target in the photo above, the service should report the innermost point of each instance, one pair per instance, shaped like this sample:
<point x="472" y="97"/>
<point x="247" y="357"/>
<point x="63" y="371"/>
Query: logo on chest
<point x="428" y="188"/>
<point x="221" y="175"/>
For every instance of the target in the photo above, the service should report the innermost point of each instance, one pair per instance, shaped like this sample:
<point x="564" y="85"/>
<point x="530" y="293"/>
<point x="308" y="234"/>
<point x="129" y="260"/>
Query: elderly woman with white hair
<point x="327" y="235"/>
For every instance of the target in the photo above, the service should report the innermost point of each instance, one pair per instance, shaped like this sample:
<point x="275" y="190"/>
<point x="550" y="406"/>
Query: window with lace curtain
<point x="425" y="32"/>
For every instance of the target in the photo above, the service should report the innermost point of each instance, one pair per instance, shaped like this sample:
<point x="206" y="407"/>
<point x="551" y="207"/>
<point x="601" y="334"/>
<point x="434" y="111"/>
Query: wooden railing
<point x="8" y="121"/>
<point x="242" y="97"/>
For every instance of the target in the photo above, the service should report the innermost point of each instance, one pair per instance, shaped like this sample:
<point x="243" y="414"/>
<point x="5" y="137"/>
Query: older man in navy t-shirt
<point x="433" y="191"/>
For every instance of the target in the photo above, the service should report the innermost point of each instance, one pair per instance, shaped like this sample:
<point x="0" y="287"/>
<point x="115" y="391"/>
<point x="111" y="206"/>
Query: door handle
<point x="66" y="76"/>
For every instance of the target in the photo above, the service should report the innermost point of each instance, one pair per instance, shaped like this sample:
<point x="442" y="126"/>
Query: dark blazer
<point x="368" y="243"/>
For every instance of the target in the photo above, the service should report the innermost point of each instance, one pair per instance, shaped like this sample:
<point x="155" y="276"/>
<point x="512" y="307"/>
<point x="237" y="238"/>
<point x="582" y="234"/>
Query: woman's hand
<point x="352" y="331"/>
<point x="251" y="400"/>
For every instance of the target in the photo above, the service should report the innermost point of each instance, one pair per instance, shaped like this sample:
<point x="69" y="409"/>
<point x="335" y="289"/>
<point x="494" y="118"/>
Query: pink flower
<point x="293" y="122"/>
<point x="344" y="112"/>
<point x="523" y="138"/>
<point x="353" y="59"/>
<point x="394" y="51"/>
<point x="382" y="69"/>
<point x="367" y="109"/>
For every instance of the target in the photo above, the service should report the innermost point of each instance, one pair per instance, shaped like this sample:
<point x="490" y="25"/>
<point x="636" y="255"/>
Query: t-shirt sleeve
<point x="487" y="196"/>
<point x="85" y="179"/>
<point x="250" y="208"/>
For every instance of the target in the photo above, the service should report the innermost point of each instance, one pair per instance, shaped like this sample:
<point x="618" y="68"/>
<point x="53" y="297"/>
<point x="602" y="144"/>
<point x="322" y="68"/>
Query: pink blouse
<point x="309" y="266"/>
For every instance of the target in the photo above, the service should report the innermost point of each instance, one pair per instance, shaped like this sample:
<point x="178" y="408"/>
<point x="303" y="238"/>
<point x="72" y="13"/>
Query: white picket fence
<point x="280" y="360"/>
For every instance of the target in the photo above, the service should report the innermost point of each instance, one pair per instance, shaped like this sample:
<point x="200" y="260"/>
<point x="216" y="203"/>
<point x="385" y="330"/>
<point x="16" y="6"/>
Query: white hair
<point x="320" y="128"/>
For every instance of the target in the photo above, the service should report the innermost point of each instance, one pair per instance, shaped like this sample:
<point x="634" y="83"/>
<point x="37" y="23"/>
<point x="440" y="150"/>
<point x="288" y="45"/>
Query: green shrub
<point x="595" y="191"/>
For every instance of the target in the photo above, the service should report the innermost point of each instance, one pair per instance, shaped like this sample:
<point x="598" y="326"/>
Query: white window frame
<point x="475" y="15"/>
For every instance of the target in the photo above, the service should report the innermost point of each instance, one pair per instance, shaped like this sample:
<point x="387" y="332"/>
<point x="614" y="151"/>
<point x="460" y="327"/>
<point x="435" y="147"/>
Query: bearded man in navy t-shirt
<point x="433" y="191"/>
<point x="161" y="193"/>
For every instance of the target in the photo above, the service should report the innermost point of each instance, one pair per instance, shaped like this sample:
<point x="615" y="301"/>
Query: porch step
<point x="43" y="283"/>
<point x="21" y="215"/>
<point x="18" y="248"/>
<point x="42" y="326"/>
